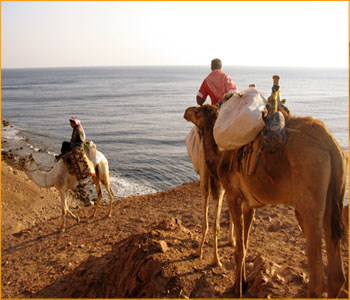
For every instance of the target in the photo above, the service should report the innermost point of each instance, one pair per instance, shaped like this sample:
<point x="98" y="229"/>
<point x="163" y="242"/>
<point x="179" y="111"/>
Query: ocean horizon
<point x="134" y="114"/>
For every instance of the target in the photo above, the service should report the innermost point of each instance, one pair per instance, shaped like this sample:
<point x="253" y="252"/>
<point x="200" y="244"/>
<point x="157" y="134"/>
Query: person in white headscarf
<point x="77" y="139"/>
<point x="78" y="135"/>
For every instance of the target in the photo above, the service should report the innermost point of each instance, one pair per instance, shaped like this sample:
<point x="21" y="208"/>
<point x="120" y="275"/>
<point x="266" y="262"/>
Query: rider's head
<point x="74" y="121"/>
<point x="216" y="64"/>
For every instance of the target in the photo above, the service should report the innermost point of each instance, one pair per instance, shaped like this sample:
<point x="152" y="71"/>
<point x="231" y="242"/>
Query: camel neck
<point x="41" y="178"/>
<point x="211" y="150"/>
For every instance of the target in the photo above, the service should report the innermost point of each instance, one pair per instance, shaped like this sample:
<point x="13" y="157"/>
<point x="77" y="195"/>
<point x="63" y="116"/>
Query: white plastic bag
<point x="240" y="120"/>
<point x="193" y="141"/>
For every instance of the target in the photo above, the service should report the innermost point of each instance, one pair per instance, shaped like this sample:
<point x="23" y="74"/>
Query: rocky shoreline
<point x="144" y="251"/>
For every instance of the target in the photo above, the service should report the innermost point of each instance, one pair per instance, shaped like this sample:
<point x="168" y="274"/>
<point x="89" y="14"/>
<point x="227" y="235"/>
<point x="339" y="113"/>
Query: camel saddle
<point x="79" y="163"/>
<point x="272" y="138"/>
<point x="247" y="157"/>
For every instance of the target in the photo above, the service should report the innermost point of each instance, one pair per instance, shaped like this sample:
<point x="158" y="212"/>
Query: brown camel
<point x="209" y="184"/>
<point x="310" y="171"/>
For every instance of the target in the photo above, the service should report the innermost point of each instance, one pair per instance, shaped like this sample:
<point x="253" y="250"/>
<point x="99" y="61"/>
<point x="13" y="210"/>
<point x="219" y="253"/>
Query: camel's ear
<point x="211" y="111"/>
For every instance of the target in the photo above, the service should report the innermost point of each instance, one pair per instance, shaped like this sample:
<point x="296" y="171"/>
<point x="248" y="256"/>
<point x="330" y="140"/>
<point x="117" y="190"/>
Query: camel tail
<point x="337" y="191"/>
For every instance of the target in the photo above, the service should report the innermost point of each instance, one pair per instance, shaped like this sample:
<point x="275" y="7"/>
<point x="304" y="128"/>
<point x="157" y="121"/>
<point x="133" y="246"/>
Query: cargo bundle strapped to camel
<point x="245" y="115"/>
<point x="242" y="118"/>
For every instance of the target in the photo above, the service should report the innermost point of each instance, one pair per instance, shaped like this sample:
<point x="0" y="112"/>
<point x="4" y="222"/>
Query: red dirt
<point x="145" y="249"/>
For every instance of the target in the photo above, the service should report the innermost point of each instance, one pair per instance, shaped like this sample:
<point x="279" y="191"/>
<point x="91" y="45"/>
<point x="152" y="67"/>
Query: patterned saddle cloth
<point x="79" y="163"/>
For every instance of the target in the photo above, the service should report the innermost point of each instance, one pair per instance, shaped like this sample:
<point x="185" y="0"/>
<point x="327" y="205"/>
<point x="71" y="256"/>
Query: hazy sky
<point x="55" y="34"/>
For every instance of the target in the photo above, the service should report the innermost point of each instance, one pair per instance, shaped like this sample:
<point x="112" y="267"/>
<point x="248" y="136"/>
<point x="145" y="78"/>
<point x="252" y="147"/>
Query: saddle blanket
<point x="82" y="166"/>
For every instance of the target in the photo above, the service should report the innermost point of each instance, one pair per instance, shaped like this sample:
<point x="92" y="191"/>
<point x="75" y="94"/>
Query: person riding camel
<point x="78" y="151"/>
<point x="216" y="85"/>
<point x="78" y="134"/>
<point x="77" y="139"/>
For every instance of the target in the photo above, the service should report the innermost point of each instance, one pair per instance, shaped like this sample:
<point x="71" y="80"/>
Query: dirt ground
<point x="145" y="249"/>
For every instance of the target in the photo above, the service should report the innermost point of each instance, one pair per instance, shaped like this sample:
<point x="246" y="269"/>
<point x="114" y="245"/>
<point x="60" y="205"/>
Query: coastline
<point x="39" y="261"/>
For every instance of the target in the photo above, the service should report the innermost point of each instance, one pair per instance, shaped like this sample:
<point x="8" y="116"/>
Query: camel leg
<point x="231" y="238"/>
<point x="310" y="217"/>
<point x="99" y="193"/>
<point x="336" y="277"/>
<point x="248" y="214"/>
<point x="107" y="184"/>
<point x="65" y="209"/>
<point x="235" y="205"/>
<point x="297" y="215"/>
<point x="63" y="196"/>
<point x="310" y="203"/>
<point x="218" y="194"/>
<point x="70" y="213"/>
<point x="313" y="234"/>
<point x="204" y="184"/>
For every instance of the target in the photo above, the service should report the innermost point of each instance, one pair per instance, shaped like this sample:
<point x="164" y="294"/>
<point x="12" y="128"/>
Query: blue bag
<point x="274" y="133"/>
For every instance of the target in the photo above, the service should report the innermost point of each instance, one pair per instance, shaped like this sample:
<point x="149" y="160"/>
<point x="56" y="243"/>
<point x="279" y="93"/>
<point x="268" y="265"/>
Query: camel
<point x="60" y="178"/>
<point x="310" y="170"/>
<point x="210" y="184"/>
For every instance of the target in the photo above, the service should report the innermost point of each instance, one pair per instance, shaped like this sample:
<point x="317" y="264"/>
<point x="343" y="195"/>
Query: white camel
<point x="60" y="178"/>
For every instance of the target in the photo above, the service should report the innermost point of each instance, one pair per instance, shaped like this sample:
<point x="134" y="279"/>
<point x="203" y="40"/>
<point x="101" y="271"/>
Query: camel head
<point x="27" y="163"/>
<point x="202" y="116"/>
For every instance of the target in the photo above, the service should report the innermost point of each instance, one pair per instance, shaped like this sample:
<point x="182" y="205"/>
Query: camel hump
<point x="93" y="152"/>
<point x="314" y="129"/>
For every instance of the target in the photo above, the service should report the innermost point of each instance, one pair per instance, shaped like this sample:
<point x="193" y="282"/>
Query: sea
<point x="135" y="114"/>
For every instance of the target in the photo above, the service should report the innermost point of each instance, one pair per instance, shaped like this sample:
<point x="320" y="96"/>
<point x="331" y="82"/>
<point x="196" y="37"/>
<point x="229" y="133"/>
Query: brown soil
<point x="144" y="250"/>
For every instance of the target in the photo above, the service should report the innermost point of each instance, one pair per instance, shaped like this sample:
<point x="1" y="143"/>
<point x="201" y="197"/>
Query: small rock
<point x="279" y="279"/>
<point x="5" y="123"/>
<point x="267" y="219"/>
<point x="163" y="246"/>
<point x="275" y="226"/>
<point x="300" y="277"/>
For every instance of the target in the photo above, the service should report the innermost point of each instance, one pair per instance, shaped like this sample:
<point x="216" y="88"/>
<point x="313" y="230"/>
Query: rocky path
<point x="145" y="250"/>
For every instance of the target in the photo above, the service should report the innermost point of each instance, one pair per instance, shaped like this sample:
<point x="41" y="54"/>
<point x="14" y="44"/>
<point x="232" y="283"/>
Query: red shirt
<point x="216" y="85"/>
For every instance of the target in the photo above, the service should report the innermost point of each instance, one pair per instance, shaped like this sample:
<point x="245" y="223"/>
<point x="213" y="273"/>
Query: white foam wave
<point x="11" y="133"/>
<point x="123" y="187"/>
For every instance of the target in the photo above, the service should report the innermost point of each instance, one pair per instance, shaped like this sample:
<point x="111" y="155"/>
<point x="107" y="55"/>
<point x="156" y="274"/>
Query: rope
<point x="263" y="165"/>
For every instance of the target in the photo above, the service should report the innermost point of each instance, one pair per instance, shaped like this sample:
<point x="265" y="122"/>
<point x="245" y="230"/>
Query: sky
<point x="118" y="33"/>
